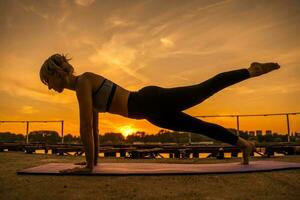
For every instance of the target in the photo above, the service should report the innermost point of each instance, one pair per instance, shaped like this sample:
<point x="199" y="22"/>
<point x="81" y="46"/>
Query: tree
<point x="44" y="136"/>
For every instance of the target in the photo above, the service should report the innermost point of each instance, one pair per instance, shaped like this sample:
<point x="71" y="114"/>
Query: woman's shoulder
<point x="91" y="79"/>
<point x="91" y="76"/>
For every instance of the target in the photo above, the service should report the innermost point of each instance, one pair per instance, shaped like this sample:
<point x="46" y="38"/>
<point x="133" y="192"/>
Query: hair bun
<point x="57" y="59"/>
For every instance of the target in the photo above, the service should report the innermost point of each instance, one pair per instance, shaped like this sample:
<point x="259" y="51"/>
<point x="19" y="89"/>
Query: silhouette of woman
<point x="161" y="106"/>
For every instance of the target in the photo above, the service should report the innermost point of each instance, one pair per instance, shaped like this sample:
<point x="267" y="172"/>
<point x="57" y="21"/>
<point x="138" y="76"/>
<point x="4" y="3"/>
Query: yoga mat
<point x="163" y="168"/>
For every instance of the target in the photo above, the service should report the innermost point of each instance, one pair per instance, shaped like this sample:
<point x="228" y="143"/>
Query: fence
<point x="253" y="115"/>
<point x="237" y="122"/>
<point x="48" y="121"/>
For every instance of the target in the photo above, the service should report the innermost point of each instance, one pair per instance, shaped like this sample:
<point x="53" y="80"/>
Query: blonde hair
<point x="54" y="64"/>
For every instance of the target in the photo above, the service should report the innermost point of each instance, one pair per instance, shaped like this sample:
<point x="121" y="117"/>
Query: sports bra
<point x="102" y="97"/>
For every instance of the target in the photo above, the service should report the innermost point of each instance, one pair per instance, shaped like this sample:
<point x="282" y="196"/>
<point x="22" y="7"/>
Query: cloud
<point x="14" y="90"/>
<point x="286" y="88"/>
<point x="115" y="21"/>
<point x="29" y="110"/>
<point x="64" y="13"/>
<point x="167" y="42"/>
<point x="33" y="9"/>
<point x="241" y="89"/>
<point x="85" y="3"/>
<point x="214" y="5"/>
<point x="178" y="77"/>
<point x="266" y="89"/>
<point x="115" y="55"/>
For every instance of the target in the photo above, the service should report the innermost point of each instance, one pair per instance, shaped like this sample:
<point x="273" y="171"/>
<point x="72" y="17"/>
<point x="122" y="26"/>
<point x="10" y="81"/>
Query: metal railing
<point x="253" y="115"/>
<point x="237" y="122"/>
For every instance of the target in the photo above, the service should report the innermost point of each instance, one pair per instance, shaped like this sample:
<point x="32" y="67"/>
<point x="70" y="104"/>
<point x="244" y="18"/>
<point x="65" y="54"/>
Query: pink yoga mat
<point x="163" y="168"/>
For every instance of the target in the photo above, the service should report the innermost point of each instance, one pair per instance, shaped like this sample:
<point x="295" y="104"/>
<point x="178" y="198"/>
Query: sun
<point x="127" y="130"/>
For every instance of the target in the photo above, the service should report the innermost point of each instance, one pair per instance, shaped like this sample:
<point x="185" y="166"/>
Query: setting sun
<point x="127" y="130"/>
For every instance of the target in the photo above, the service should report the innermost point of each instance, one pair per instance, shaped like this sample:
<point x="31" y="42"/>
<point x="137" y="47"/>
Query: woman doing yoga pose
<point x="161" y="106"/>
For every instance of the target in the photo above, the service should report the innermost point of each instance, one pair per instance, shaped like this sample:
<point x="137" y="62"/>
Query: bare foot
<point x="257" y="69"/>
<point x="247" y="150"/>
<point x="76" y="170"/>
<point x="247" y="147"/>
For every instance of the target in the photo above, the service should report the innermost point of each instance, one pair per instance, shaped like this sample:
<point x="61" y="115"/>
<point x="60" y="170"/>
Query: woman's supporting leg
<point x="182" y="98"/>
<point x="180" y="121"/>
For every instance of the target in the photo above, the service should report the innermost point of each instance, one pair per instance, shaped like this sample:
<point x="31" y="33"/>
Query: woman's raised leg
<point x="182" y="98"/>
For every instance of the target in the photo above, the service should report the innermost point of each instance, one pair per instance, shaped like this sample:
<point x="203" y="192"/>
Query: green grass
<point x="261" y="185"/>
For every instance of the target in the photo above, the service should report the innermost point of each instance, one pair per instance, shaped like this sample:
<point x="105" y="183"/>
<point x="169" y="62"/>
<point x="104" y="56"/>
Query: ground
<point x="273" y="185"/>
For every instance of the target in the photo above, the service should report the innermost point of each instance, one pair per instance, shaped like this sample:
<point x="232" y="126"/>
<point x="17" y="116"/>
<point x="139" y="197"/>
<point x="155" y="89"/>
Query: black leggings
<point x="163" y="106"/>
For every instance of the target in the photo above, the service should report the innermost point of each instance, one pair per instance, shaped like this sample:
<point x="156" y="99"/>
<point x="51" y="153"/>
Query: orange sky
<point x="140" y="43"/>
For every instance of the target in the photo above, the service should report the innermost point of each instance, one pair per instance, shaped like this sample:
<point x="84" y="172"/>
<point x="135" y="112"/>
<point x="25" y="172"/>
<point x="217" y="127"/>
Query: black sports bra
<point x="102" y="97"/>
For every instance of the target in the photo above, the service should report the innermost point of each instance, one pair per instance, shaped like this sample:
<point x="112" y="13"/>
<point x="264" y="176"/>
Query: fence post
<point x="288" y="126"/>
<point x="62" y="131"/>
<point x="27" y="129"/>
<point x="238" y="125"/>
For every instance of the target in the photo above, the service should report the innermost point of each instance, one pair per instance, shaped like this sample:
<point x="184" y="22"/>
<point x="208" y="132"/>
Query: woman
<point x="160" y="106"/>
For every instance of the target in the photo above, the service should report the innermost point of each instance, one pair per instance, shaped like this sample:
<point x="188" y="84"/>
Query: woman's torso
<point x="119" y="101"/>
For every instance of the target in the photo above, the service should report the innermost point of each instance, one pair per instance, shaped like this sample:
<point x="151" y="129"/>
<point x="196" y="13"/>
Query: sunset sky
<point x="166" y="43"/>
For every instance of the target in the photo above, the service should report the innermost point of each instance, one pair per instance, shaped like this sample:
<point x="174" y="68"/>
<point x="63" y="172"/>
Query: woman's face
<point x="55" y="82"/>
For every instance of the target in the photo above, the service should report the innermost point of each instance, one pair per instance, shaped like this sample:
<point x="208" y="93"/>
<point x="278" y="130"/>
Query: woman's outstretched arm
<point x="84" y="96"/>
<point x="95" y="134"/>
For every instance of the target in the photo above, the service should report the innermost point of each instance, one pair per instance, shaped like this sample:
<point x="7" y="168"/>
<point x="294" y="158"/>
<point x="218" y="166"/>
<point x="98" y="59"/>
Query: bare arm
<point x="84" y="96"/>
<point x="96" y="135"/>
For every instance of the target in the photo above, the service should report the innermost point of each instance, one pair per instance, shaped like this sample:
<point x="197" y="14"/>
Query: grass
<point x="261" y="185"/>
